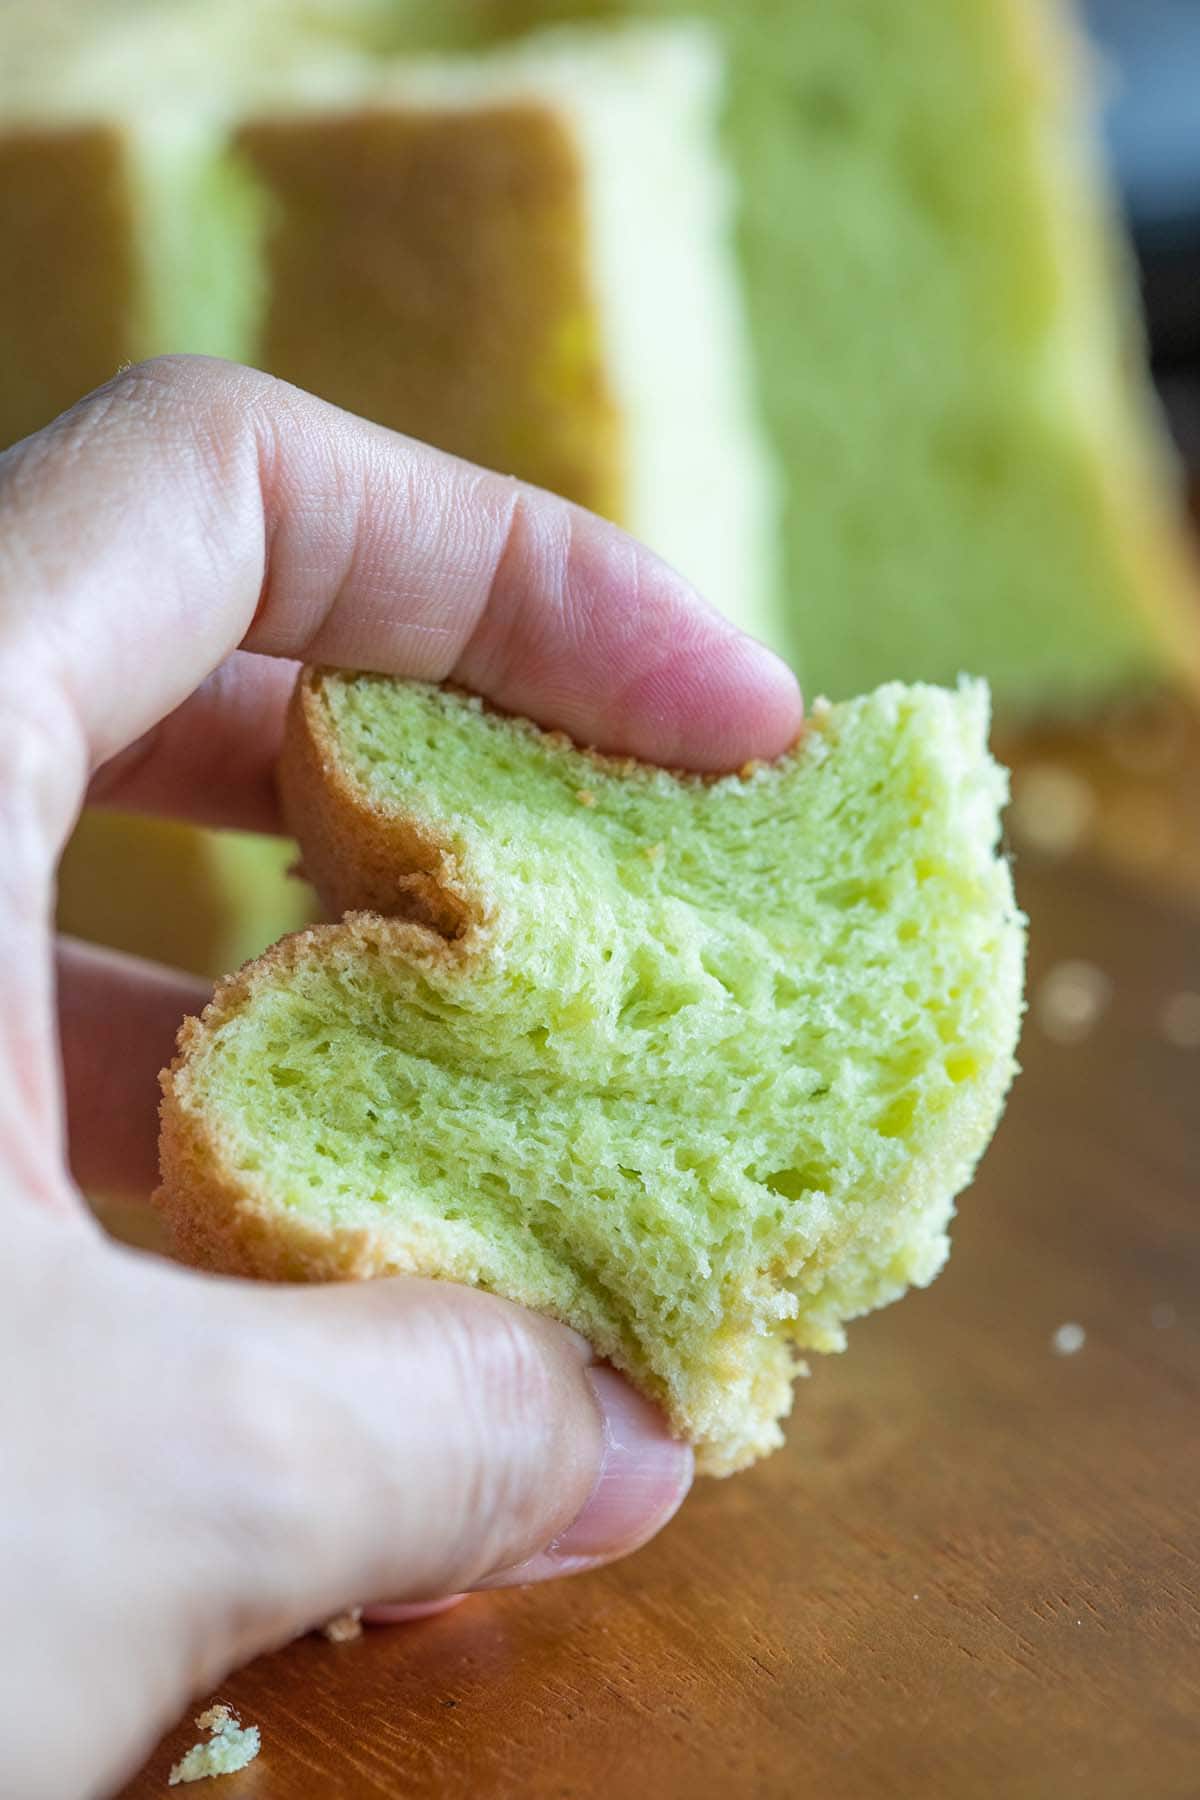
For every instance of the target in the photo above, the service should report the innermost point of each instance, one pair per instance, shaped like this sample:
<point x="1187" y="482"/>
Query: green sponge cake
<point x="446" y="245"/>
<point x="942" y="315"/>
<point x="523" y="256"/>
<point x="948" y="344"/>
<point x="695" y="1065"/>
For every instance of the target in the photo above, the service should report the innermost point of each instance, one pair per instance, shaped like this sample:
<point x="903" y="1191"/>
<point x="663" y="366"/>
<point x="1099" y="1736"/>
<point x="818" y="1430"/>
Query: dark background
<point x="1150" y="67"/>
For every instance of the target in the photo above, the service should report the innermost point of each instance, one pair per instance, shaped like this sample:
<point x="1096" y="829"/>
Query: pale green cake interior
<point x="946" y="356"/>
<point x="712" y="1070"/>
<point x="202" y="218"/>
<point x="948" y="349"/>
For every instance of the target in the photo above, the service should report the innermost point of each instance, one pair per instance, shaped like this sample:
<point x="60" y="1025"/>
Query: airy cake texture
<point x="697" y="1066"/>
<point x="230" y="1746"/>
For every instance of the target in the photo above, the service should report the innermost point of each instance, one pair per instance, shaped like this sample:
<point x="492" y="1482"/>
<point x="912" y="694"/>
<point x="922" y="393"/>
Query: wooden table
<point x="974" y="1571"/>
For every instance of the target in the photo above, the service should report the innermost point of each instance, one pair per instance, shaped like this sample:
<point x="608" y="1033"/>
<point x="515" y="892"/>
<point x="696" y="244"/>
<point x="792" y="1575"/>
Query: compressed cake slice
<point x="697" y="1066"/>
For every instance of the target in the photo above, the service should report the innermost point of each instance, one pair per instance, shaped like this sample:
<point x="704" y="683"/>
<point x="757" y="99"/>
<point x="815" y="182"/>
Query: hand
<point x="193" y="1470"/>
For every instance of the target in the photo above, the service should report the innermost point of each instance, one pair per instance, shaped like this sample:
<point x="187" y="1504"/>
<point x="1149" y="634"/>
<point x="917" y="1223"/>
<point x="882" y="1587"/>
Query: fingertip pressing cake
<point x="697" y="1066"/>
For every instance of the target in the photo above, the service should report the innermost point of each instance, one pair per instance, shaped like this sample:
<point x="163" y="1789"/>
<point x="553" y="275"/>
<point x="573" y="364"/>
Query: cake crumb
<point x="1180" y="1021"/>
<point x="345" y="1628"/>
<point x="1052" y="809"/>
<point x="1068" y="1340"/>
<point x="585" y="797"/>
<point x="230" y="1747"/>
<point x="1071" y="999"/>
<point x="216" y="1718"/>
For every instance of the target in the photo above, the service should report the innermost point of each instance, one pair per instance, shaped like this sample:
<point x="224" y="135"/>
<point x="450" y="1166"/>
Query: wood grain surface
<point x="975" y="1569"/>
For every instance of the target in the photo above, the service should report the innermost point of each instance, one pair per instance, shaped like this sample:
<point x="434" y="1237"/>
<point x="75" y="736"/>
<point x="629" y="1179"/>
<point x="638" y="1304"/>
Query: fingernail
<point x="403" y="1613"/>
<point x="642" y="1483"/>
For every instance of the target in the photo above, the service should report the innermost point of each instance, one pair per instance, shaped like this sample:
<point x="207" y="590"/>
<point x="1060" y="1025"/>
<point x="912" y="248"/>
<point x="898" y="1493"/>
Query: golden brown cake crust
<point x="458" y="238"/>
<point x="67" y="269"/>
<point x="221" y="1217"/>
<point x="420" y="907"/>
<point x="356" y="856"/>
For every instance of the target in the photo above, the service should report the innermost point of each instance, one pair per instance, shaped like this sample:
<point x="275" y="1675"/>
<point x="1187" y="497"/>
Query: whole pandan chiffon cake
<point x="697" y="1066"/>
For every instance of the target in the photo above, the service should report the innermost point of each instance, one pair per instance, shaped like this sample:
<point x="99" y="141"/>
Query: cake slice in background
<point x="66" y="271"/>
<point x="526" y="258"/>
<point x="944" y="326"/>
<point x="198" y="900"/>
<point x="523" y="257"/>
<point x="948" y="347"/>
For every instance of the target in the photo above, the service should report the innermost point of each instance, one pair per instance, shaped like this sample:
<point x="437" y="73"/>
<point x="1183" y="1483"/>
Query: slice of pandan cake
<point x="522" y="256"/>
<point x="946" y="328"/>
<point x="695" y="1065"/>
<point x="527" y="257"/>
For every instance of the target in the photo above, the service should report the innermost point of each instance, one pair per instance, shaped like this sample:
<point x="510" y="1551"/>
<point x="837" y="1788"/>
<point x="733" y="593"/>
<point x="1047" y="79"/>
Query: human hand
<point x="193" y="1469"/>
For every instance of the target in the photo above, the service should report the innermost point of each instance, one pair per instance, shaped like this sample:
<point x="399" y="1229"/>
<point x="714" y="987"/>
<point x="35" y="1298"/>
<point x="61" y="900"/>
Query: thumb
<point x="420" y="1439"/>
<point x="199" y="1469"/>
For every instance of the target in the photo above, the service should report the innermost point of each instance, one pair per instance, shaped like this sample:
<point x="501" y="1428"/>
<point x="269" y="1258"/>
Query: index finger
<point x="191" y="506"/>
